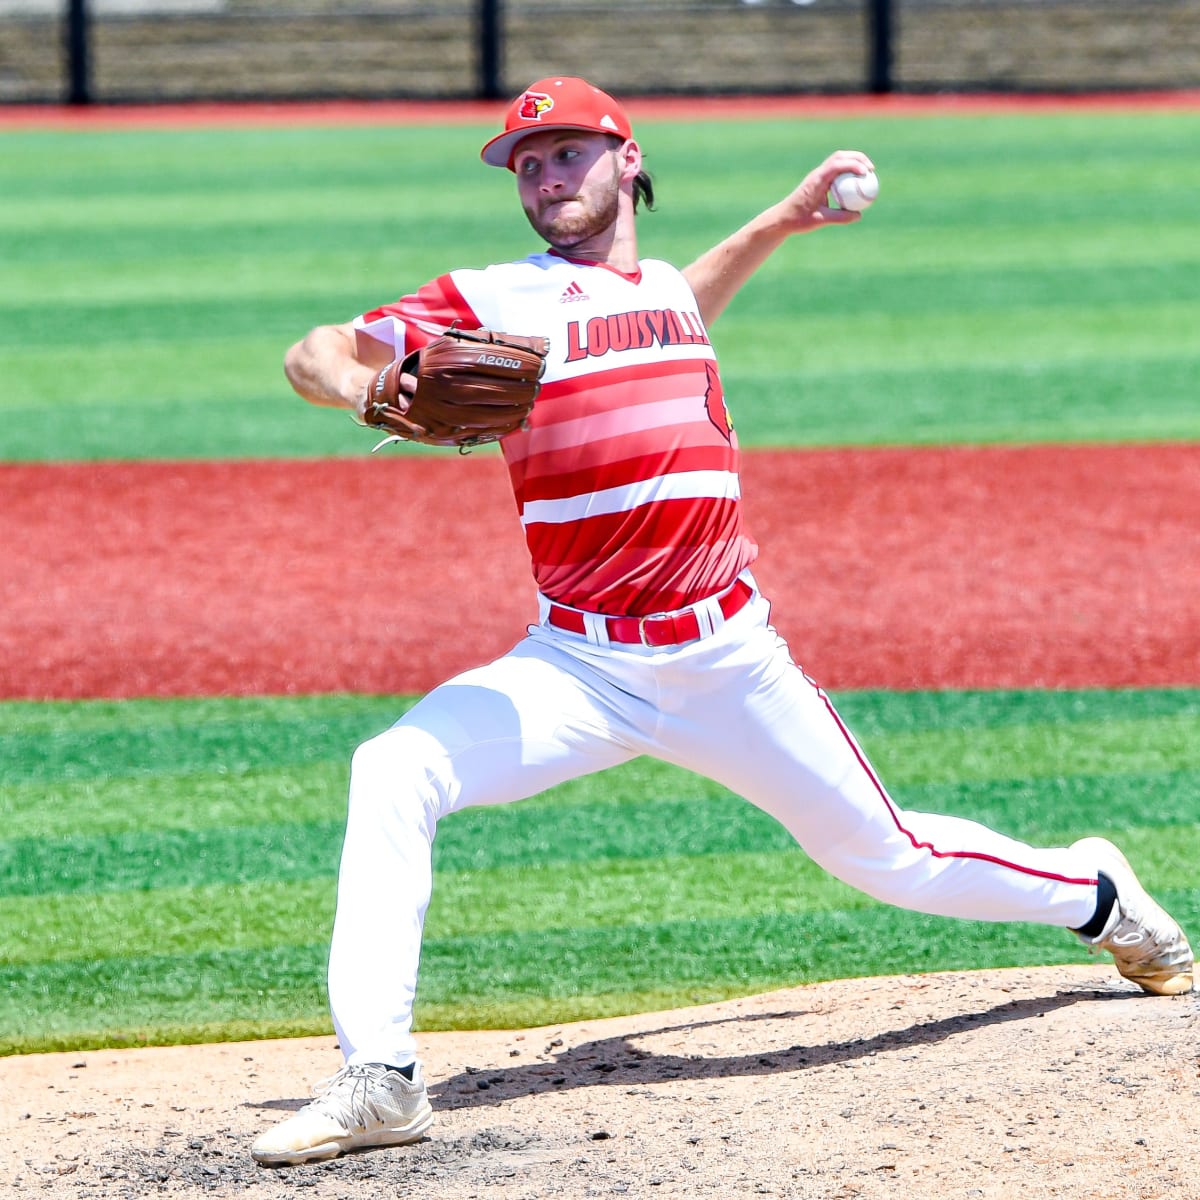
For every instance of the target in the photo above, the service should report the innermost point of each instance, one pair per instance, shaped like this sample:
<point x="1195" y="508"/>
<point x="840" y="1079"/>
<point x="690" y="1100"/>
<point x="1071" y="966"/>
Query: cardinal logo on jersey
<point x="534" y="106"/>
<point x="714" y="401"/>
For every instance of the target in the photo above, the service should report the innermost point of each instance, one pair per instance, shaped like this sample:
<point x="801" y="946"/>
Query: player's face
<point x="569" y="184"/>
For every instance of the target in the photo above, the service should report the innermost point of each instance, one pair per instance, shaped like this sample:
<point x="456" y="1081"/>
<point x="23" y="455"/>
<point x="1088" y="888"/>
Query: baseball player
<point x="653" y="637"/>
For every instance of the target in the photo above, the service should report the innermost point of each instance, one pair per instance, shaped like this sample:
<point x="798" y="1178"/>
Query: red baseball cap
<point x="560" y="102"/>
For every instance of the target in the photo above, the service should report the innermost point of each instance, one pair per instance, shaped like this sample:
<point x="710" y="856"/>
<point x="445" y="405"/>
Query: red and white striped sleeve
<point x="413" y="321"/>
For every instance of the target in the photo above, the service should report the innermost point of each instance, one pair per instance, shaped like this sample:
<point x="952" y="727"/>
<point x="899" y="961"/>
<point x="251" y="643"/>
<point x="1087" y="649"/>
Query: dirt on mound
<point x="1061" y="1081"/>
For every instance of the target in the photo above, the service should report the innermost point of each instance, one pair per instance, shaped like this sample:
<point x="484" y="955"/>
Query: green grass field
<point x="167" y="868"/>
<point x="1020" y="278"/>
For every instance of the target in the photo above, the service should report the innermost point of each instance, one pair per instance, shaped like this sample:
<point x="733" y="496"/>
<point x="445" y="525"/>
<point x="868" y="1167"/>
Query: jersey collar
<point x="632" y="276"/>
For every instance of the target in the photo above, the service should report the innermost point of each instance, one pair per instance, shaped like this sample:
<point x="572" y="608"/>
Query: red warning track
<point x="647" y="108"/>
<point x="994" y="567"/>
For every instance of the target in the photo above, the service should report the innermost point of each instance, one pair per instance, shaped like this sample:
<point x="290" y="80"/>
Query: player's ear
<point x="629" y="154"/>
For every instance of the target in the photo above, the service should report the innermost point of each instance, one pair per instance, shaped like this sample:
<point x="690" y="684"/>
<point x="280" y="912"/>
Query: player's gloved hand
<point x="463" y="389"/>
<point x="391" y="388"/>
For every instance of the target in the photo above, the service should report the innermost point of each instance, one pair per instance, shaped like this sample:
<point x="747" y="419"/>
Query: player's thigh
<point x="778" y="742"/>
<point x="512" y="728"/>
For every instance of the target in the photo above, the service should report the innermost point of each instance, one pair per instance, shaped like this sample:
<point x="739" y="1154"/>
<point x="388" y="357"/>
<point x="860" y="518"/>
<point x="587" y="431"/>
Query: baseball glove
<point x="473" y="386"/>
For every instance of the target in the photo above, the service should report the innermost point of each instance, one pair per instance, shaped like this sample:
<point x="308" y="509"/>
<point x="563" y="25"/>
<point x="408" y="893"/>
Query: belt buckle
<point x="641" y="627"/>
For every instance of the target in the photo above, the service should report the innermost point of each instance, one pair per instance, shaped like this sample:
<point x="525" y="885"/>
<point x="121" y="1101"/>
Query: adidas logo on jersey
<point x="573" y="292"/>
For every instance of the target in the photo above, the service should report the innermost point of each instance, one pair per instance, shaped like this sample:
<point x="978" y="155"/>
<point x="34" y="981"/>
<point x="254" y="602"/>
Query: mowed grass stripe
<point x="915" y="403"/>
<point x="674" y="964"/>
<point x="478" y="839"/>
<point x="1045" y="808"/>
<point x="1053" y="810"/>
<point x="142" y="265"/>
<point x="82" y="784"/>
<point x="1052" y="384"/>
<point x="602" y="894"/>
<point x="508" y="980"/>
<point x="216" y="798"/>
<point x="192" y="920"/>
<point x="161" y="998"/>
<point x="865" y="294"/>
<point x="177" y="732"/>
<point x="99" y="739"/>
<point x="226" y="180"/>
<point x="169" y="859"/>
<point x="196" y="799"/>
<point x="199" y="828"/>
<point x="607" y="892"/>
<point x="82" y="748"/>
<point x="1038" y="751"/>
<point x="759" y="951"/>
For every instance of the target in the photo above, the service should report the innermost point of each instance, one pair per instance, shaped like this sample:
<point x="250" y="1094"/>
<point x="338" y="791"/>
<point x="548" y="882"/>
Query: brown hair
<point x="643" y="189"/>
<point x="643" y="185"/>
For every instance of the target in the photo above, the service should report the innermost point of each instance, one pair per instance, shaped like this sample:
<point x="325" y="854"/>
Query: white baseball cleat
<point x="1147" y="945"/>
<point x="359" y="1107"/>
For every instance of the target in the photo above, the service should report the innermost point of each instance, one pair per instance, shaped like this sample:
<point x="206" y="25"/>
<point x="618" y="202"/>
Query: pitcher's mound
<point x="1060" y="1081"/>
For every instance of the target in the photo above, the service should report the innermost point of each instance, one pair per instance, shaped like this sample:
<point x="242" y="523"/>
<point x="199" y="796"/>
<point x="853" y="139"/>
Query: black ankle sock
<point x="407" y="1072"/>
<point x="1106" y="897"/>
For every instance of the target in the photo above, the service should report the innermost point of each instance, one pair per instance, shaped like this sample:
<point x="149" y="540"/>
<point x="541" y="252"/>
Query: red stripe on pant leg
<point x="866" y="766"/>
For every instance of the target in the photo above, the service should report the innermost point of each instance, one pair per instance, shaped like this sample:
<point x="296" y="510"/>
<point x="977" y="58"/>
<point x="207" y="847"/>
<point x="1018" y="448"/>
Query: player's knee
<point x="399" y="770"/>
<point x="372" y="758"/>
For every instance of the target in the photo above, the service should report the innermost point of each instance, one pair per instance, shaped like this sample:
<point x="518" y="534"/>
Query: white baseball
<point x="854" y="192"/>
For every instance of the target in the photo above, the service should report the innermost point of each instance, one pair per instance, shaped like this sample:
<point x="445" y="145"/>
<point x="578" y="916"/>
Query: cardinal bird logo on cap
<point x="534" y="106"/>
<point x="714" y="402"/>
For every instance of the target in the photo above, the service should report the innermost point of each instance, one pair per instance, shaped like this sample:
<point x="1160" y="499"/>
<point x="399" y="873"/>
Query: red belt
<point x="657" y="629"/>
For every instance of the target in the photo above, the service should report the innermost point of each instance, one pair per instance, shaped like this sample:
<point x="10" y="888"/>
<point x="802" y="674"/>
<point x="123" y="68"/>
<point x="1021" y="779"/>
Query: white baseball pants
<point x="733" y="707"/>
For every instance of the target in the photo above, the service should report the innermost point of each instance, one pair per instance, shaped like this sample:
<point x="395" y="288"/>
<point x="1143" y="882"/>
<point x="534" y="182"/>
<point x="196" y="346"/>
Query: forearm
<point x="718" y="274"/>
<point x="325" y="368"/>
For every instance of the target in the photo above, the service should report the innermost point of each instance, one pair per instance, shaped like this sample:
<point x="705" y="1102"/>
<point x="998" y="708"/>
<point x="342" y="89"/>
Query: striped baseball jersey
<point x="626" y="479"/>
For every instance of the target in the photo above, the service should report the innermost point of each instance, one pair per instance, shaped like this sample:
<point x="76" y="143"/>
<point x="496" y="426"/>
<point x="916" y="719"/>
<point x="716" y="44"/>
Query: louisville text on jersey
<point x="635" y="330"/>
